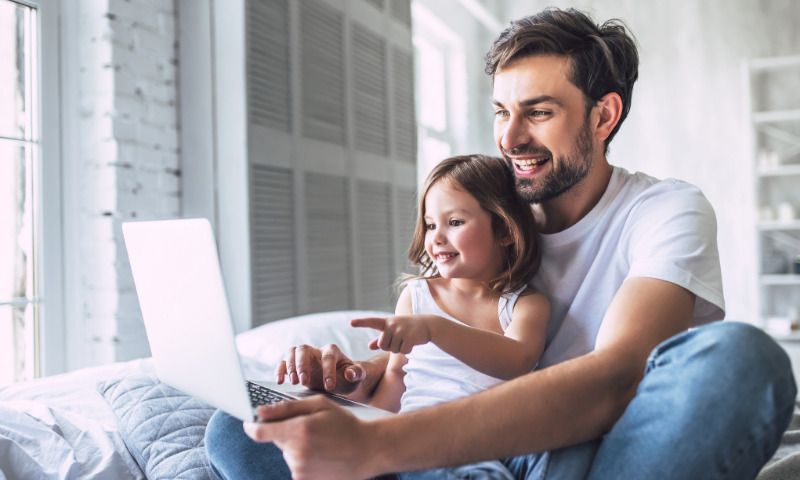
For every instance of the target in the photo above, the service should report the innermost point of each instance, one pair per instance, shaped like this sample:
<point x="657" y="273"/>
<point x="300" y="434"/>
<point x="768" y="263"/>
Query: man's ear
<point x="606" y="116"/>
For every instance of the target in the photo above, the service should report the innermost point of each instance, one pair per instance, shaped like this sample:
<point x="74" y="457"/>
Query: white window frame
<point x="48" y="335"/>
<point x="52" y="319"/>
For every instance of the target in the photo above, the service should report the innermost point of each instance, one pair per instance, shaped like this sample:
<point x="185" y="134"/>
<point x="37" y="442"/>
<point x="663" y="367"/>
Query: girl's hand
<point x="399" y="333"/>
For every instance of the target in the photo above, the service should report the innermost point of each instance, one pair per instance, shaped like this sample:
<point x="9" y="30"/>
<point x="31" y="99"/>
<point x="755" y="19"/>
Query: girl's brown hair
<point x="491" y="181"/>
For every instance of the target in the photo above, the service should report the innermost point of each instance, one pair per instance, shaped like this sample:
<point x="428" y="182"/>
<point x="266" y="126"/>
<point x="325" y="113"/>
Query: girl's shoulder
<point x="528" y="291"/>
<point x="530" y="298"/>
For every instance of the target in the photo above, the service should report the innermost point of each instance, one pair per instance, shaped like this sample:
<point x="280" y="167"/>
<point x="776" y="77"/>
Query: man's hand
<point x="319" y="439"/>
<point x="399" y="333"/>
<point x="326" y="368"/>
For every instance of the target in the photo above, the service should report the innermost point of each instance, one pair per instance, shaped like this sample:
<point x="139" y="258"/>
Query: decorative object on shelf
<point x="768" y="159"/>
<point x="785" y="212"/>
<point x="778" y="326"/>
<point x="794" y="318"/>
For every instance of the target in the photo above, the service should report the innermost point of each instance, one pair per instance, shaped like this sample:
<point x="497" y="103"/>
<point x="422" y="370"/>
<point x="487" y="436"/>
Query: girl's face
<point x="459" y="236"/>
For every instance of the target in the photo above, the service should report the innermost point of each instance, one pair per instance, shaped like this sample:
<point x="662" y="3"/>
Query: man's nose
<point x="514" y="134"/>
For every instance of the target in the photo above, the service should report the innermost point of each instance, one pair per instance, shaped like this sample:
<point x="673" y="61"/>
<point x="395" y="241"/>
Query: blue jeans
<point x="713" y="403"/>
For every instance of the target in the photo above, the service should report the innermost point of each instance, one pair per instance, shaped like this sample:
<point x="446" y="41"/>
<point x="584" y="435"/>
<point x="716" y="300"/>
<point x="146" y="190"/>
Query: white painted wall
<point x="121" y="163"/>
<point x="689" y="117"/>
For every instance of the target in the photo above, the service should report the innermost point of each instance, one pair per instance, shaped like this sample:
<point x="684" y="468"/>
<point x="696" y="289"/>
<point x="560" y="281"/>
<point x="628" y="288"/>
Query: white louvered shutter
<point x="369" y="93"/>
<point x="405" y="211"/>
<point x="379" y="4"/>
<point x="268" y="66"/>
<point x="405" y="125"/>
<point x="272" y="243"/>
<point x="328" y="243"/>
<point x="401" y="11"/>
<point x="374" y="233"/>
<point x="322" y="71"/>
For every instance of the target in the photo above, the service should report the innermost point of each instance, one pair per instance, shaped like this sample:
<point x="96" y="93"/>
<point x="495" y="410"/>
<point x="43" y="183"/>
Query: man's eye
<point x="501" y="113"/>
<point x="456" y="223"/>
<point x="539" y="113"/>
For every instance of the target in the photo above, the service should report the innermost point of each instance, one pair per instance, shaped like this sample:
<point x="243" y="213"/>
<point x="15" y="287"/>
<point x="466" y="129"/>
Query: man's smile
<point x="529" y="166"/>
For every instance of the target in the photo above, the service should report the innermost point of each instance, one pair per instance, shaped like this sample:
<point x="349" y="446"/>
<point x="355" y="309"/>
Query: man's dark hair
<point x="603" y="57"/>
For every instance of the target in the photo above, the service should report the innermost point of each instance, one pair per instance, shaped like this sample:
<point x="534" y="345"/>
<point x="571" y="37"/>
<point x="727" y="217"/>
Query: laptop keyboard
<point x="260" y="395"/>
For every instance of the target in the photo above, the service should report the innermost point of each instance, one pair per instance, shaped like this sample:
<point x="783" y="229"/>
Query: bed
<point x="119" y="422"/>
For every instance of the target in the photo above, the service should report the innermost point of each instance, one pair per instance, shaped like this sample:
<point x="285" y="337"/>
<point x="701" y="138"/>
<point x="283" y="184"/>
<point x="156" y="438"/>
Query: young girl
<point x="468" y="321"/>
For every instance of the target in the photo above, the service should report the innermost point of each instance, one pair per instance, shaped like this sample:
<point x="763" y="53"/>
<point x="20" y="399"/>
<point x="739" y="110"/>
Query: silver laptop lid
<point x="178" y="280"/>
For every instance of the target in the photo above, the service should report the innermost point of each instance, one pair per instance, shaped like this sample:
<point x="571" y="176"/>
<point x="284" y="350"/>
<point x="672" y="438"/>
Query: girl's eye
<point x="456" y="223"/>
<point x="430" y="226"/>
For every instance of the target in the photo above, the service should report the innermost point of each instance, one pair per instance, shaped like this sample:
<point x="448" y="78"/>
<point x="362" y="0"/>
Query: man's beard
<point x="566" y="173"/>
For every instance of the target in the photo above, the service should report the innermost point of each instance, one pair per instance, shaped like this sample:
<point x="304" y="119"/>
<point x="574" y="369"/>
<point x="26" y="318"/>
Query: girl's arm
<point x="501" y="356"/>
<point x="391" y="387"/>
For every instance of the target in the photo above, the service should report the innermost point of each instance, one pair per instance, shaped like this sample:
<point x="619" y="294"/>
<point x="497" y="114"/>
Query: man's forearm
<point x="584" y="397"/>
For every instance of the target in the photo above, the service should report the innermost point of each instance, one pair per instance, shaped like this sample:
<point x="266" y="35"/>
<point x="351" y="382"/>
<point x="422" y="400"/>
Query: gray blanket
<point x="785" y="464"/>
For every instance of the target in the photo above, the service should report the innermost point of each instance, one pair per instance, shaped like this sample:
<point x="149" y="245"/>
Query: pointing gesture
<point x="399" y="334"/>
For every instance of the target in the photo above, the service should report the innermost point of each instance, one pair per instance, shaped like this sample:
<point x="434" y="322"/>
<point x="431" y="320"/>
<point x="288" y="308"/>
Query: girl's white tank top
<point x="434" y="376"/>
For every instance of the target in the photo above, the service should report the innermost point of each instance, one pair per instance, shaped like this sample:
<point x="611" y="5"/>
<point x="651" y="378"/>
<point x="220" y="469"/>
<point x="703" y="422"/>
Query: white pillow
<point x="268" y="343"/>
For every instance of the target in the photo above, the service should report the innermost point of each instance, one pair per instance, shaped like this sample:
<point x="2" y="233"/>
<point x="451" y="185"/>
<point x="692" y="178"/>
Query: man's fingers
<point x="355" y="373"/>
<point x="277" y="412"/>
<point x="290" y="366"/>
<point x="330" y="360"/>
<point x="280" y="372"/>
<point x="275" y="421"/>
<point x="306" y="358"/>
<point x="370" y="322"/>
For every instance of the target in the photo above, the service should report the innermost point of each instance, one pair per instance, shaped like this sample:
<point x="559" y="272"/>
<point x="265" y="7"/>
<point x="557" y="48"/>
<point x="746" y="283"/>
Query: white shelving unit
<point x="774" y="106"/>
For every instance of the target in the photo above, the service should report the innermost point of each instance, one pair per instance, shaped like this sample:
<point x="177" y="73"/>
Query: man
<point x="624" y="389"/>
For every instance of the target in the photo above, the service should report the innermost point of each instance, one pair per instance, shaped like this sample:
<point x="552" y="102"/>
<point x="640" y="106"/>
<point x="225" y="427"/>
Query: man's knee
<point x="218" y="434"/>
<point x="232" y="454"/>
<point x="741" y="343"/>
<point x="735" y="354"/>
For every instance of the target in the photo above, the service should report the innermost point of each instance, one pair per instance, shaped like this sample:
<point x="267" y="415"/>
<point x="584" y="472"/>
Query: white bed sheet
<point x="60" y="427"/>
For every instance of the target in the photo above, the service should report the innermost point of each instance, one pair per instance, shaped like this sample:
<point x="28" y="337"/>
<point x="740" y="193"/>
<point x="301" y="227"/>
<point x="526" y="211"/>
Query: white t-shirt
<point x="433" y="375"/>
<point x="641" y="227"/>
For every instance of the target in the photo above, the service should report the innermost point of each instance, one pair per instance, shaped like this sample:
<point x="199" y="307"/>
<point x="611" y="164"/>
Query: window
<point x="19" y="188"/>
<point x="440" y="86"/>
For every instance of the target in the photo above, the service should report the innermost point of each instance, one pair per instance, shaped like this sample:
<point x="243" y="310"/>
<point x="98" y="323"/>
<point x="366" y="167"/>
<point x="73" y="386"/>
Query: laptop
<point x="182" y="296"/>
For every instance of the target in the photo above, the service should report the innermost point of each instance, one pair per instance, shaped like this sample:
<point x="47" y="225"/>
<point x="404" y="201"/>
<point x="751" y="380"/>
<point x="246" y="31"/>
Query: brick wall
<point x="130" y="163"/>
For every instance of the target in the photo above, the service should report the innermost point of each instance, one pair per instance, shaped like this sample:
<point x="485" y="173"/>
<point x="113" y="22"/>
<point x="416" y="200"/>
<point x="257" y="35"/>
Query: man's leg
<point x="570" y="463"/>
<point x="713" y="403"/>
<point x="233" y="455"/>
<point x="491" y="470"/>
